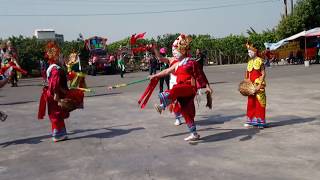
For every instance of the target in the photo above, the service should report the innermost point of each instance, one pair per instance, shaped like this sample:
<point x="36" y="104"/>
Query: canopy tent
<point x="313" y="32"/>
<point x="309" y="33"/>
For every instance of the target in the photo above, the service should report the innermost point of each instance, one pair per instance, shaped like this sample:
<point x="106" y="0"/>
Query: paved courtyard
<point x="113" y="139"/>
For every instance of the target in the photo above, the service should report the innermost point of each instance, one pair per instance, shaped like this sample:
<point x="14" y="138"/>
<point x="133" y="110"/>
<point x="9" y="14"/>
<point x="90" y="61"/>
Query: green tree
<point x="306" y="15"/>
<point x="113" y="47"/>
<point x="30" y="52"/>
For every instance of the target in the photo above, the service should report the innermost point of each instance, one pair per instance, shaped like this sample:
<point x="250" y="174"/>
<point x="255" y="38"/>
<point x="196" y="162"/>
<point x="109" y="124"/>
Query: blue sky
<point x="223" y="17"/>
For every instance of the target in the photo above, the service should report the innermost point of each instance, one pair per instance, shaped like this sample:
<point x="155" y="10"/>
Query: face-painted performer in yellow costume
<point x="256" y="107"/>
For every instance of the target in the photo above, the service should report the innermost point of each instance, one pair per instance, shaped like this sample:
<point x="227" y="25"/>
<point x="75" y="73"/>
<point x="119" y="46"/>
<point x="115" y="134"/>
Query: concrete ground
<point x="113" y="139"/>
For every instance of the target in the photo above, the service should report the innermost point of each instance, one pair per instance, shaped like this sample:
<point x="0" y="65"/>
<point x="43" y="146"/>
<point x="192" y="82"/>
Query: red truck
<point x="99" y="60"/>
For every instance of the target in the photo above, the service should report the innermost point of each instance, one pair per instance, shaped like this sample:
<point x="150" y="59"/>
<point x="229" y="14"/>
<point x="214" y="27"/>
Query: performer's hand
<point x="209" y="90"/>
<point x="257" y="89"/>
<point x="56" y="97"/>
<point x="151" y="77"/>
<point x="246" y="79"/>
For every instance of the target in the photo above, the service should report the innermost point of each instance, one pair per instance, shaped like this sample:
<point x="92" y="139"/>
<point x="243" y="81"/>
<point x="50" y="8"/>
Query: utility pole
<point x="291" y="6"/>
<point x="285" y="8"/>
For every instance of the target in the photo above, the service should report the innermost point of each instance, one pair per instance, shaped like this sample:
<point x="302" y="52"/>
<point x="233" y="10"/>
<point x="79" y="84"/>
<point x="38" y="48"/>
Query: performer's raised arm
<point x="165" y="72"/>
<point x="159" y="57"/>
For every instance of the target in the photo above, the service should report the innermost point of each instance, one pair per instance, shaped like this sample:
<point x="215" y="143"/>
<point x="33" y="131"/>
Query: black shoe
<point x="3" y="116"/>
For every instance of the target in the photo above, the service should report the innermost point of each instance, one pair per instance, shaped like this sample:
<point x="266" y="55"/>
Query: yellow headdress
<point x="182" y="44"/>
<point x="251" y="47"/>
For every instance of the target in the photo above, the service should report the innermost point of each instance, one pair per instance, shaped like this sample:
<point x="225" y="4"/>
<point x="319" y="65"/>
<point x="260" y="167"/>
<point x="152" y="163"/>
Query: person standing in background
<point x="200" y="58"/>
<point x="267" y="57"/>
<point x="121" y="65"/>
<point x="163" y="66"/>
<point x="153" y="63"/>
<point x="318" y="50"/>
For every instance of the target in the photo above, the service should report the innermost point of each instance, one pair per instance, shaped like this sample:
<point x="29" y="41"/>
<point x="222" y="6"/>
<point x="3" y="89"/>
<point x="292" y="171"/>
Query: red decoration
<point x="13" y="65"/>
<point x="52" y="52"/>
<point x="134" y="38"/>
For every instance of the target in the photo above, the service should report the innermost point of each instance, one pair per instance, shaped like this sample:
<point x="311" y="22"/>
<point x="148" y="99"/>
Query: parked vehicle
<point x="99" y="60"/>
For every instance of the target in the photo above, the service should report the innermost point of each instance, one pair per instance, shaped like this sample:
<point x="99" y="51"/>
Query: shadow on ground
<point x="210" y="120"/>
<point x="217" y="119"/>
<point x="108" y="132"/>
<point x="16" y="103"/>
<point x="245" y="134"/>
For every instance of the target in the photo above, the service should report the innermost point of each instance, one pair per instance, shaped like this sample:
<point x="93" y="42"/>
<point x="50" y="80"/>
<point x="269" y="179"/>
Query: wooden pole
<point x="305" y="48"/>
<point x="285" y="8"/>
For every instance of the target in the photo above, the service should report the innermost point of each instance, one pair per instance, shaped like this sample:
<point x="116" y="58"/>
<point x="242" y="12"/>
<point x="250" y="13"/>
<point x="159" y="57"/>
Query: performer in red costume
<point x="175" y="106"/>
<point x="189" y="79"/>
<point x="54" y="94"/>
<point x="256" y="108"/>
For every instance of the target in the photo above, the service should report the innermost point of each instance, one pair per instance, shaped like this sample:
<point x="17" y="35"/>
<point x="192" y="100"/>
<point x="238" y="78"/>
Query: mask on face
<point x="251" y="53"/>
<point x="176" y="54"/>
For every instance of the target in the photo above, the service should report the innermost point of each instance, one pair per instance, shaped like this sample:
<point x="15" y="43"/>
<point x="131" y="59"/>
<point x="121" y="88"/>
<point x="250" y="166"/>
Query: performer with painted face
<point x="75" y="74"/>
<point x="174" y="106"/>
<point x="256" y="107"/>
<point x="57" y="96"/>
<point x="189" y="79"/>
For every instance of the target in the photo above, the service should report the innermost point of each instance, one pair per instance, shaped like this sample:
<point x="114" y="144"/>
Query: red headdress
<point x="135" y="37"/>
<point x="52" y="52"/>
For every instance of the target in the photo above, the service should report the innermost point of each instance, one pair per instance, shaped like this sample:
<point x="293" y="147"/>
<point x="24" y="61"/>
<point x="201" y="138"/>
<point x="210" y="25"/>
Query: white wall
<point x="45" y="34"/>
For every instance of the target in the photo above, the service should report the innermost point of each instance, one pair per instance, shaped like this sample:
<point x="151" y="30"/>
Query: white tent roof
<point x="274" y="46"/>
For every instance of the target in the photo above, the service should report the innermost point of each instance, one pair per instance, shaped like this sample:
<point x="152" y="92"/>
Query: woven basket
<point x="246" y="88"/>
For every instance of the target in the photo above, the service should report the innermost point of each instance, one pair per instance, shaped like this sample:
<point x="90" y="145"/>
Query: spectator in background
<point x="267" y="57"/>
<point x="299" y="57"/>
<point x="200" y="58"/>
<point x="318" y="50"/>
<point x="290" y="58"/>
<point x="164" y="66"/>
<point x="153" y="63"/>
<point x="121" y="64"/>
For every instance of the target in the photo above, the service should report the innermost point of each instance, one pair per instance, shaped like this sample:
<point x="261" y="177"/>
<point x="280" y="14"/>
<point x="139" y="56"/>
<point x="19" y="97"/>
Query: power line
<point x="142" y="12"/>
<point x="121" y="2"/>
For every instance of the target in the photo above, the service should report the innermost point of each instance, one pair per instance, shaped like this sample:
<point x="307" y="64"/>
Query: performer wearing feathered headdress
<point x="75" y="76"/>
<point x="57" y="96"/>
<point x="10" y="57"/>
<point x="189" y="79"/>
<point x="256" y="107"/>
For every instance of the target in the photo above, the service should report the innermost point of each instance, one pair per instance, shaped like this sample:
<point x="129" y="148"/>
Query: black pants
<point x="14" y="78"/>
<point x="152" y="70"/>
<point x="122" y="73"/>
<point x="3" y="116"/>
<point x="167" y="79"/>
<point x="93" y="70"/>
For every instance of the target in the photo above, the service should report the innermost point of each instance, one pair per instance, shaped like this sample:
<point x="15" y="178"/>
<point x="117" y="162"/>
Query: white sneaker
<point x="247" y="125"/>
<point x="62" y="138"/>
<point x="177" y="122"/>
<point x="192" y="137"/>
